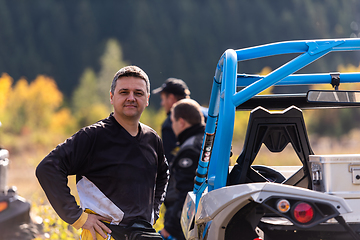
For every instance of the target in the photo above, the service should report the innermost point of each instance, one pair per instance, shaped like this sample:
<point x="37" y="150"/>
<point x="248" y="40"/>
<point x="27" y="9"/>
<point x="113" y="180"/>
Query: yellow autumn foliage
<point x="15" y="116"/>
<point x="44" y="99"/>
<point x="5" y="90"/>
<point x="266" y="71"/>
<point x="62" y="122"/>
<point x="31" y="107"/>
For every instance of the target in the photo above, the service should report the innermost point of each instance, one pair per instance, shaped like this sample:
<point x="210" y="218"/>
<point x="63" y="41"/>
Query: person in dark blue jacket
<point x="189" y="126"/>
<point x="171" y="91"/>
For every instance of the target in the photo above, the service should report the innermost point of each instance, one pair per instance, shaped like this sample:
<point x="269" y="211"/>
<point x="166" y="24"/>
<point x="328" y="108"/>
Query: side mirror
<point x="333" y="96"/>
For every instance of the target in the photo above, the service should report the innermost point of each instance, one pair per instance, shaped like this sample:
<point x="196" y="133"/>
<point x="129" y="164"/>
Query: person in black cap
<point x="171" y="91"/>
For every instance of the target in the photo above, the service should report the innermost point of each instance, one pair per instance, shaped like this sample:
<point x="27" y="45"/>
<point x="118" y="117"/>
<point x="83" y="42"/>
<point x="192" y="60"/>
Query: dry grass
<point x="26" y="151"/>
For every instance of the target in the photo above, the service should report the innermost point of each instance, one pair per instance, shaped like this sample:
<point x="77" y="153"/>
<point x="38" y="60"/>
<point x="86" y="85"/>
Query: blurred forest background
<point x="57" y="60"/>
<point x="182" y="39"/>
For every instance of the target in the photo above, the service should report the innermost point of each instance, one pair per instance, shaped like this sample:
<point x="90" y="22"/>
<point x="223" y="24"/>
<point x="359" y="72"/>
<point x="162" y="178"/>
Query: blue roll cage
<point x="215" y="155"/>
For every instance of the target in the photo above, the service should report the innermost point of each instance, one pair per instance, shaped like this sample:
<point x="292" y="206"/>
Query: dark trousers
<point x="137" y="230"/>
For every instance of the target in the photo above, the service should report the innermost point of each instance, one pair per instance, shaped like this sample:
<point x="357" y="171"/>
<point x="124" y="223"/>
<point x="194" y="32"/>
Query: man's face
<point x="167" y="100"/>
<point x="130" y="98"/>
<point x="176" y="125"/>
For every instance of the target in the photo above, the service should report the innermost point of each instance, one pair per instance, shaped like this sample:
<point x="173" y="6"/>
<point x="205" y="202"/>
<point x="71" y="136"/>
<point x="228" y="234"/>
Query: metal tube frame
<point x="215" y="155"/>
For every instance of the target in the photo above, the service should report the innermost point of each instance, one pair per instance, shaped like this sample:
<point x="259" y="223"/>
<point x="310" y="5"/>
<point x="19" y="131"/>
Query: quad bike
<point x="320" y="200"/>
<point x="15" y="221"/>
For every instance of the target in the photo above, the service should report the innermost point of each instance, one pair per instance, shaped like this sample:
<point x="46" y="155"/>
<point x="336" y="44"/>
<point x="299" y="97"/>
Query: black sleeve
<point x="185" y="171"/>
<point x="53" y="170"/>
<point x="169" y="140"/>
<point x="161" y="179"/>
<point x="185" y="168"/>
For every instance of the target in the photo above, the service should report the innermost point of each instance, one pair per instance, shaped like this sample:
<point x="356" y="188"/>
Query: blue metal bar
<point x="277" y="75"/>
<point x="225" y="127"/>
<point x="207" y="146"/>
<point x="310" y="46"/>
<point x="210" y="128"/>
<point x="244" y="80"/>
<point x="217" y="102"/>
<point x="216" y="150"/>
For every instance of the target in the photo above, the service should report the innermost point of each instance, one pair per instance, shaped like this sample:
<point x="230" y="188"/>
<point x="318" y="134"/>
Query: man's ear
<point x="111" y="97"/>
<point x="147" y="100"/>
<point x="182" y="122"/>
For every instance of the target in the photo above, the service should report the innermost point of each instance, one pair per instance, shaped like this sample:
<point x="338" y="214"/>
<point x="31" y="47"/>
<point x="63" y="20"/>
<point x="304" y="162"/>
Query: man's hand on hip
<point x="93" y="223"/>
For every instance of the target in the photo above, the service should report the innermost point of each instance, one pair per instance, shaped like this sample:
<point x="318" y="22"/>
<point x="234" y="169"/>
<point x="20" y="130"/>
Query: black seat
<point x="275" y="130"/>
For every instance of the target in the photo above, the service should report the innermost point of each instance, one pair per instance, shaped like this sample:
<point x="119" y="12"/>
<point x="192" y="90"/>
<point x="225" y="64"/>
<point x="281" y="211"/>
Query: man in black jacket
<point x="121" y="172"/>
<point x="188" y="125"/>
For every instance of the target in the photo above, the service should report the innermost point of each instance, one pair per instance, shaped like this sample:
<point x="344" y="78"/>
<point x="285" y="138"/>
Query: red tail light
<point x="303" y="212"/>
<point x="3" y="206"/>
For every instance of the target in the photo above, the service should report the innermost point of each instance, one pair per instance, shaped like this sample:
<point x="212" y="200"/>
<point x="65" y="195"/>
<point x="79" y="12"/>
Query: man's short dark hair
<point x="130" y="71"/>
<point x="189" y="110"/>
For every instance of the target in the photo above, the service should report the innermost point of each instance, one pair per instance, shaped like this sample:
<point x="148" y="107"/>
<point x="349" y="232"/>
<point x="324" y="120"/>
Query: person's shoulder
<point x="97" y="126"/>
<point x="147" y="130"/>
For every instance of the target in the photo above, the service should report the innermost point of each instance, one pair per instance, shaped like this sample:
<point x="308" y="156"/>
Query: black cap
<point x="175" y="86"/>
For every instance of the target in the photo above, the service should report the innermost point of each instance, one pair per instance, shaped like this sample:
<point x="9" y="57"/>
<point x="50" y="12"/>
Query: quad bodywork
<point x="15" y="221"/>
<point x="259" y="202"/>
